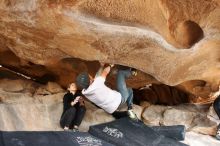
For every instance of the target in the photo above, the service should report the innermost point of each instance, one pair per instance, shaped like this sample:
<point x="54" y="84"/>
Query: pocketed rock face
<point x="174" y="41"/>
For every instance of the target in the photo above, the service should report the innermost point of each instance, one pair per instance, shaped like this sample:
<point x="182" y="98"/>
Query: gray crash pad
<point x="176" y="132"/>
<point x="126" y="132"/>
<point x="59" y="138"/>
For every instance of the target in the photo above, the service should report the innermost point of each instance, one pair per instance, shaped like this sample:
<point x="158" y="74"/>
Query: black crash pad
<point x="175" y="132"/>
<point x="59" y="138"/>
<point x="126" y="132"/>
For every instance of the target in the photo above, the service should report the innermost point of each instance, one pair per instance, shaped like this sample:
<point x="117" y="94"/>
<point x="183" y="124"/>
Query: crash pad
<point x="127" y="132"/>
<point x="50" y="138"/>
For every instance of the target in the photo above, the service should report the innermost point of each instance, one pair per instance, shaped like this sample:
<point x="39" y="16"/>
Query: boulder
<point x="153" y="115"/>
<point x="196" y="139"/>
<point x="212" y="115"/>
<point x="12" y="85"/>
<point x="174" y="116"/>
<point x="54" y="88"/>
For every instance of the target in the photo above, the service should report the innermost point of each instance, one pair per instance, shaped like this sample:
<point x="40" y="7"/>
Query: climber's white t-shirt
<point x="103" y="96"/>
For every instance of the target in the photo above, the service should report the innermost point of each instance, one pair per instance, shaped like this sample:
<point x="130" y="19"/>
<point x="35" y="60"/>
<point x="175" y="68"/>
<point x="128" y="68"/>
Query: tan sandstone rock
<point x="12" y="86"/>
<point x="178" y="117"/>
<point x="204" y="126"/>
<point x="153" y="115"/>
<point x="173" y="41"/>
<point x="54" y="88"/>
<point x="212" y="115"/>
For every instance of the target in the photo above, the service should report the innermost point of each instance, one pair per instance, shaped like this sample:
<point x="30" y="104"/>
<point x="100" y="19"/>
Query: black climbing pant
<point x="72" y="116"/>
<point x="216" y="106"/>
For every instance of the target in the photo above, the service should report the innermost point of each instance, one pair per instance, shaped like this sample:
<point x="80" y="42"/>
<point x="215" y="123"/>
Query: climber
<point x="73" y="109"/>
<point x="104" y="97"/>
<point x="216" y="106"/>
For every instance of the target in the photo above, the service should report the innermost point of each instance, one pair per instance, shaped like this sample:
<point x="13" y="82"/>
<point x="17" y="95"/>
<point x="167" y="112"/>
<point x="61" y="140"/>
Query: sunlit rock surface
<point x="176" y="42"/>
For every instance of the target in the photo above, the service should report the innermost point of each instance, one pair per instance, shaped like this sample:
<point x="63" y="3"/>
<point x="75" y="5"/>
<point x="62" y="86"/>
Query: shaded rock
<point x="194" y="118"/>
<point x="212" y="115"/>
<point x="145" y="104"/>
<point x="12" y="85"/>
<point x="94" y="116"/>
<point x="50" y="88"/>
<point x="174" y="116"/>
<point x="153" y="115"/>
<point x="49" y="99"/>
<point x="54" y="88"/>
<point x="41" y="91"/>
<point x="188" y="33"/>
<point x="138" y="110"/>
<point x="162" y="94"/>
<point x="204" y="126"/>
<point x="18" y="85"/>
<point x="11" y="97"/>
